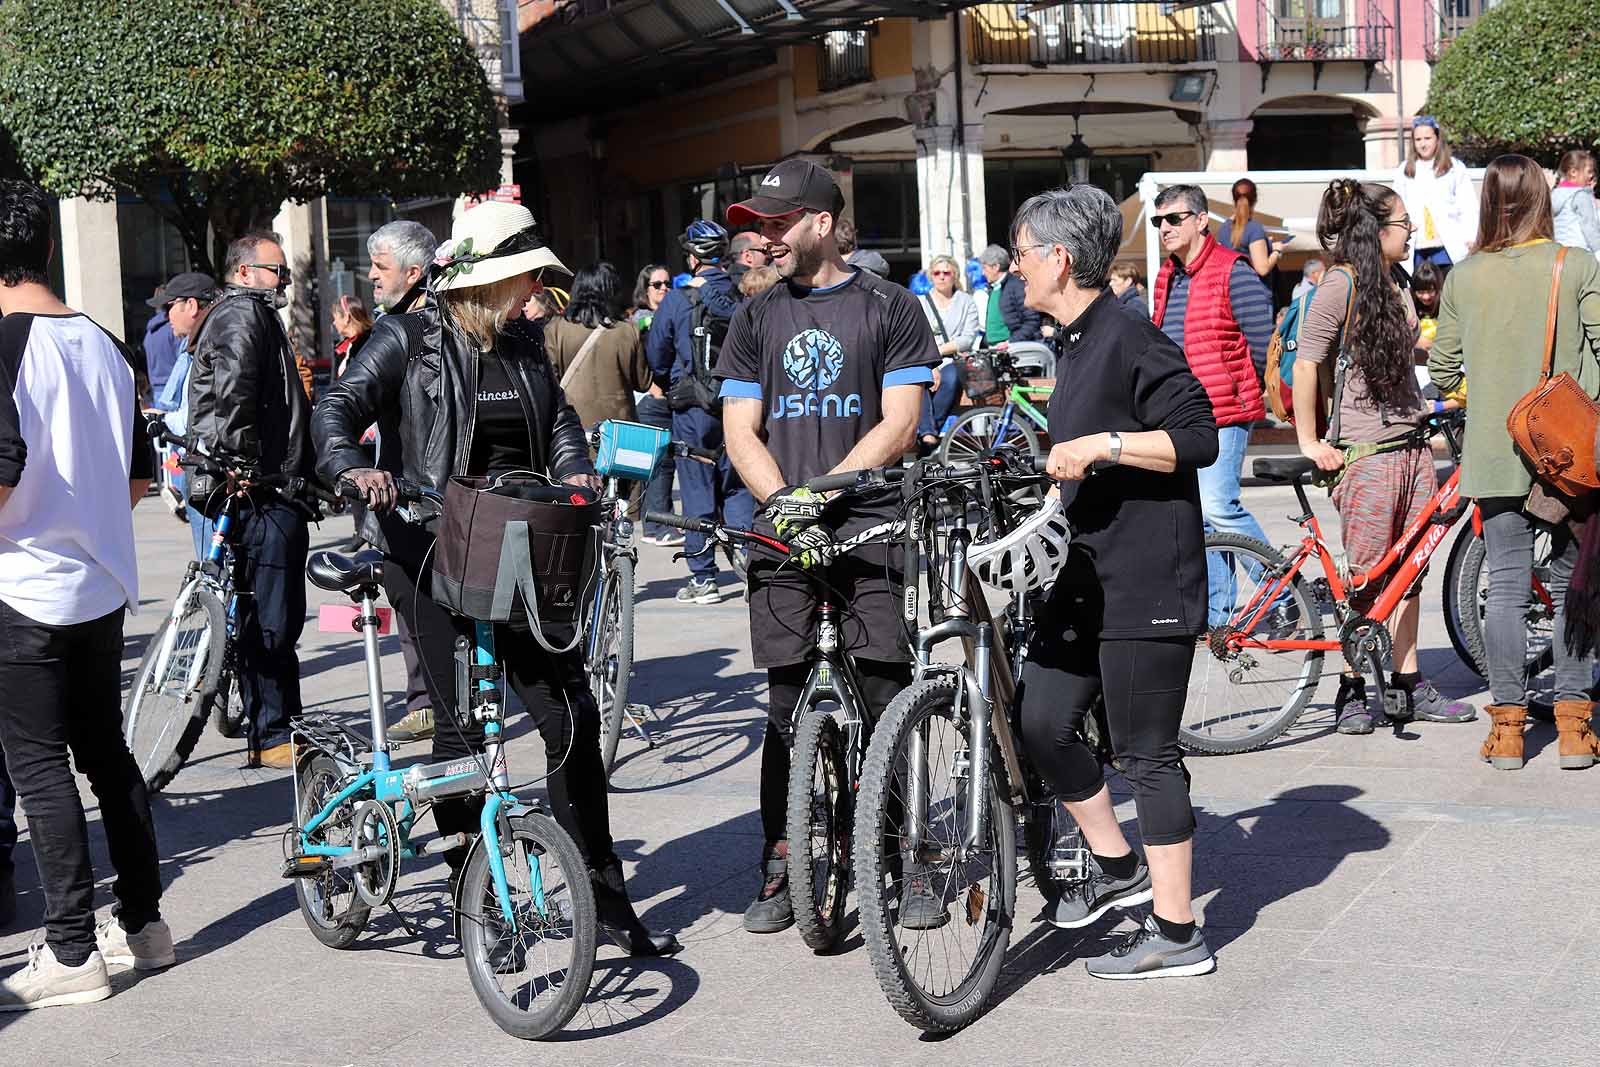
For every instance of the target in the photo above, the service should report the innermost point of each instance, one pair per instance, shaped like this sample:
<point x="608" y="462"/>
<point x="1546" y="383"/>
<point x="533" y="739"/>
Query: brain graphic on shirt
<point x="813" y="359"/>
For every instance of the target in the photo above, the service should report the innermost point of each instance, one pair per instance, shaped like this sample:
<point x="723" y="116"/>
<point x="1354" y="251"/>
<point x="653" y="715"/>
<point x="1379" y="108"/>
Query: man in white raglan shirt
<point x="69" y="452"/>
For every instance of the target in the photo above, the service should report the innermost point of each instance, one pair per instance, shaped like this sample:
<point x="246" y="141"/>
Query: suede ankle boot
<point x="1503" y="749"/>
<point x="1579" y="747"/>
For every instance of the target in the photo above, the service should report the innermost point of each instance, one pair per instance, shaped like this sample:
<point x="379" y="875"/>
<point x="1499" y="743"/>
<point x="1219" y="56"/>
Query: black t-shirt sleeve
<point x="738" y="361"/>
<point x="13" y="449"/>
<point x="1167" y="396"/>
<point x="909" y="340"/>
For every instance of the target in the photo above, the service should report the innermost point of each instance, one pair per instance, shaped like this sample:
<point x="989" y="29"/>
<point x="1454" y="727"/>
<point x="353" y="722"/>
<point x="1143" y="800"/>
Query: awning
<point x="599" y="43"/>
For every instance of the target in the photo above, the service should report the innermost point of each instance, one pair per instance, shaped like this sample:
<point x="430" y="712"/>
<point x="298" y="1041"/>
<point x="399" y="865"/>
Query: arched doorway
<point x="1308" y="133"/>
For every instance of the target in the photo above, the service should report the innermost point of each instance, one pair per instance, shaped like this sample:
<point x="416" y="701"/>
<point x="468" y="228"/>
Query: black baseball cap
<point x="190" y="285"/>
<point x="793" y="185"/>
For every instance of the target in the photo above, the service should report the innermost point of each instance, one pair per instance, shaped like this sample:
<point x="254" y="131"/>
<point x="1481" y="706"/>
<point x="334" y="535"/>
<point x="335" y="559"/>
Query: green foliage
<point x="1522" y="79"/>
<point x="233" y="106"/>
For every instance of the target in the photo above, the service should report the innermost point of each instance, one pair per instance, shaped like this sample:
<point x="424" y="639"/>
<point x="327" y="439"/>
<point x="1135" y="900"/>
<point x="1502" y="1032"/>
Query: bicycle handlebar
<point x="713" y="531"/>
<point x="287" y="485"/>
<point x="993" y="465"/>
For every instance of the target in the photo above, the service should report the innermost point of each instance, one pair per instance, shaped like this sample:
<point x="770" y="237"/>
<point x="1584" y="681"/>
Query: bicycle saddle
<point x="1282" y="468"/>
<point x="342" y="574"/>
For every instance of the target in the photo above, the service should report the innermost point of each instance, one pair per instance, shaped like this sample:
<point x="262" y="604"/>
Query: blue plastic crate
<point x="630" y="449"/>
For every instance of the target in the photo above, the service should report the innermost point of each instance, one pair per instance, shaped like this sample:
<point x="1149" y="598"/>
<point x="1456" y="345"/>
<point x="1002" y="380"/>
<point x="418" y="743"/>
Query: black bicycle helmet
<point x="705" y="240"/>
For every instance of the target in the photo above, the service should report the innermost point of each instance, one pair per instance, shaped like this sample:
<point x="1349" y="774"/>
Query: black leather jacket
<point x="414" y="380"/>
<point x="245" y="397"/>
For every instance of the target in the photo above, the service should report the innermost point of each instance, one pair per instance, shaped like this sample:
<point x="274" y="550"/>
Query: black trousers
<point x="556" y="693"/>
<point x="881" y="682"/>
<point x="1145" y="684"/>
<point x="61" y="692"/>
<point x="274" y="539"/>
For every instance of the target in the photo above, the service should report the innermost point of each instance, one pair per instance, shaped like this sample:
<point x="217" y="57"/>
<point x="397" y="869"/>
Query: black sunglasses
<point x="659" y="285"/>
<point x="1171" y="218"/>
<point x="279" y="270"/>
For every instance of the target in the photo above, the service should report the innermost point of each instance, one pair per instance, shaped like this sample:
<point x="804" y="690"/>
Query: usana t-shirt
<point x="819" y="360"/>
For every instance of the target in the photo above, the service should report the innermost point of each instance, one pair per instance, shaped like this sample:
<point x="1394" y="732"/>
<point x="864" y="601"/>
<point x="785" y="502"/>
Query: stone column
<point x="304" y="229"/>
<point x="91" y="261"/>
<point x="1227" y="143"/>
<point x="1383" y="144"/>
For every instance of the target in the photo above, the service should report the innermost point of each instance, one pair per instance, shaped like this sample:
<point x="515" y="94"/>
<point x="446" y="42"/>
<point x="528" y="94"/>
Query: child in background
<point x="1572" y="202"/>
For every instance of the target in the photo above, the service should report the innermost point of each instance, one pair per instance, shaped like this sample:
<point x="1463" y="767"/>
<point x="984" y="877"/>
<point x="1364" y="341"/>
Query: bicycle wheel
<point x="738" y="557"/>
<point x="936" y="919"/>
<point x="1467" y="600"/>
<point x="819" y="822"/>
<point x="611" y="661"/>
<point x="530" y="980"/>
<point x="328" y="902"/>
<point x="1241" y="698"/>
<point x="977" y="431"/>
<point x="1451" y="602"/>
<point x="166" y="709"/>
<point x="226" y="704"/>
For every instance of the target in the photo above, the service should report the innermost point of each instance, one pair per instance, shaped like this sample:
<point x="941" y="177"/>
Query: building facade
<point x="938" y="127"/>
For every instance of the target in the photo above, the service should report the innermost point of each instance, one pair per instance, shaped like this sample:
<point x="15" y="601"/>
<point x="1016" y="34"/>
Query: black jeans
<point x="1145" y="684"/>
<point x="555" y="691"/>
<point x="881" y="682"/>
<point x="274" y="539"/>
<point x="8" y="821"/>
<point x="61" y="692"/>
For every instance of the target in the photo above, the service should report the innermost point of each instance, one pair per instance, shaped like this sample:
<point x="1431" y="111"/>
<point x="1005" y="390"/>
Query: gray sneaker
<point x="1147" y="953"/>
<point x="700" y="592"/>
<point x="1429" y="705"/>
<point x="416" y="726"/>
<point x="44" y="982"/>
<point x="921" y="908"/>
<point x="1081" y="903"/>
<point x="148" y="950"/>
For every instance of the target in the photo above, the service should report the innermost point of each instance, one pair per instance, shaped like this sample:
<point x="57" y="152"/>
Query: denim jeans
<point x="1508" y="534"/>
<point x="274" y="539"/>
<point x="937" y="403"/>
<point x="653" y="411"/>
<point x="1222" y="512"/>
<point x="708" y="491"/>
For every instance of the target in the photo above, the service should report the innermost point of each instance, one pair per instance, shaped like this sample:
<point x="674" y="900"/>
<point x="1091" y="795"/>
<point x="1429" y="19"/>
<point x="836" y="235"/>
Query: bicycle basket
<point x="629" y="449"/>
<point x="510" y="539"/>
<point x="981" y="375"/>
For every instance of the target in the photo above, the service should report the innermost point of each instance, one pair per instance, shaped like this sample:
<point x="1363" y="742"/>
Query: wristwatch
<point x="1116" y="447"/>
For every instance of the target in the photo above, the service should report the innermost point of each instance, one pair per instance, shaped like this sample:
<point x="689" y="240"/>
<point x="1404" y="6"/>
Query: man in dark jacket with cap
<point x="247" y="407"/>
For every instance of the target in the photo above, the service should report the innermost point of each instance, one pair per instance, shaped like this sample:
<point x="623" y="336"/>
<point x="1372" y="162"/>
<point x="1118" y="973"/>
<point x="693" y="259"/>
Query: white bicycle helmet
<point x="1028" y="558"/>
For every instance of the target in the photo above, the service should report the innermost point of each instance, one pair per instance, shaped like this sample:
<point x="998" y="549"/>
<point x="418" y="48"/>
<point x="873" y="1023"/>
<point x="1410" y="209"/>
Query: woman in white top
<point x="953" y="317"/>
<point x="1439" y="198"/>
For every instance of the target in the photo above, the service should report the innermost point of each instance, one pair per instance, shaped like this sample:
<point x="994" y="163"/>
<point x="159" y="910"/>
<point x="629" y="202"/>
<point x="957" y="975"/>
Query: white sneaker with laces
<point x="45" y="982"/>
<point x="148" y="950"/>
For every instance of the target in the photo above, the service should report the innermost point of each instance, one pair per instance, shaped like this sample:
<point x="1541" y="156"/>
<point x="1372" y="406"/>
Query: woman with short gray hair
<point x="1121" y="619"/>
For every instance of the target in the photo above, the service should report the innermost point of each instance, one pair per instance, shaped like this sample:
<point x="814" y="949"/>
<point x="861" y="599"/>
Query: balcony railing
<point x="1091" y="33"/>
<point x="1443" y="22"/>
<point x="844" y="57"/>
<point x="1321" y="31"/>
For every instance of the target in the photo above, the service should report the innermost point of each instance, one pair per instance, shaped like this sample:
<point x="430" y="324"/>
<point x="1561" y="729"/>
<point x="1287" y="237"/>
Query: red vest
<point x="1212" y="341"/>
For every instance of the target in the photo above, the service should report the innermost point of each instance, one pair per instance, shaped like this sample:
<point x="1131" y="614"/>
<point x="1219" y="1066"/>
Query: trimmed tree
<point x="217" y="111"/>
<point x="1523" y="78"/>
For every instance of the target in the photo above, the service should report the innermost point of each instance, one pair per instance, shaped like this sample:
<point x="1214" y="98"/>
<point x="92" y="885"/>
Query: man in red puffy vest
<point x="1210" y="301"/>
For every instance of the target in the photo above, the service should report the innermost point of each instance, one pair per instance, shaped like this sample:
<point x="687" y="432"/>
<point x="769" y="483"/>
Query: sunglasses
<point x="942" y="273"/>
<point x="1171" y="218"/>
<point x="281" y="272"/>
<point x="659" y="285"/>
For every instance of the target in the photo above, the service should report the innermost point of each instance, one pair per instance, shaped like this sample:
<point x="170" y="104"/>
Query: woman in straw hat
<point x="463" y="387"/>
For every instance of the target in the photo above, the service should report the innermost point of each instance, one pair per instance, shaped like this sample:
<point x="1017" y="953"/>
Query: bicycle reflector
<point x="1028" y="558"/>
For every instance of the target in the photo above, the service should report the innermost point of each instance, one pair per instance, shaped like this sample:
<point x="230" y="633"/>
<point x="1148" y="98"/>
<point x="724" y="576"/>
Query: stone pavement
<point x="1372" y="900"/>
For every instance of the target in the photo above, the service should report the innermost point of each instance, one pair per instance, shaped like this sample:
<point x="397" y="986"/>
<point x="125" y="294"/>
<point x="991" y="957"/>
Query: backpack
<point x="1281" y="351"/>
<point x="698" y="388"/>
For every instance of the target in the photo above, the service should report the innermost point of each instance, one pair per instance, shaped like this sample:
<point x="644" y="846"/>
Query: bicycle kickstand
<point x="635" y="714"/>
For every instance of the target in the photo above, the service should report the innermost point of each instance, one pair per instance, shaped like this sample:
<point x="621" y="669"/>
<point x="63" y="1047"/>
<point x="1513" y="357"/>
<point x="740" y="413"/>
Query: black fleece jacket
<point x="1137" y="565"/>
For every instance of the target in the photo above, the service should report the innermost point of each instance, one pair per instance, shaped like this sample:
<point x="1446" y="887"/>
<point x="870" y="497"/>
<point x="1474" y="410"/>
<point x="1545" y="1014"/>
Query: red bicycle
<point x="1256" y="673"/>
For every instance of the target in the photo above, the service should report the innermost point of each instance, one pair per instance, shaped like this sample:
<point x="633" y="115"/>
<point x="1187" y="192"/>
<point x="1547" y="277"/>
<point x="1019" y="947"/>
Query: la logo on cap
<point x="771" y="179"/>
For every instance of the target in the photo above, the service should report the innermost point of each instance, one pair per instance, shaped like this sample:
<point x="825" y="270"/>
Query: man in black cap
<point x="822" y="373"/>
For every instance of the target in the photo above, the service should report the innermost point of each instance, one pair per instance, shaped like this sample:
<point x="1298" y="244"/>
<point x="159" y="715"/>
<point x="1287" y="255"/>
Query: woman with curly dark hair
<point x="1361" y="332"/>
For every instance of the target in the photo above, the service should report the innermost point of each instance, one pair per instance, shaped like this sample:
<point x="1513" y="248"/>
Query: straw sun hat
<point x="490" y="243"/>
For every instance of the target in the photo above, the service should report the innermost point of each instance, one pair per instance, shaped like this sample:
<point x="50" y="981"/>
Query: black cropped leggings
<point x="1145" y="683"/>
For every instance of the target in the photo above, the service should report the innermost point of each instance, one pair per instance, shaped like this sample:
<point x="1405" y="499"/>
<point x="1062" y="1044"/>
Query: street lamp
<point x="1076" y="156"/>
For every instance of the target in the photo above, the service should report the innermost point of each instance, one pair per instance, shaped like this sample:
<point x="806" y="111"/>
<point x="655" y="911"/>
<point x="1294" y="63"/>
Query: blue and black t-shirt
<point x="819" y="360"/>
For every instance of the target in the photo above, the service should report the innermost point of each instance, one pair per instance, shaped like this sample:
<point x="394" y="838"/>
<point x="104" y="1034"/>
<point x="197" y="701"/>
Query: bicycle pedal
<point x="305" y="866"/>
<point x="960" y="766"/>
<point x="1069" y="864"/>
<point x="1397" y="705"/>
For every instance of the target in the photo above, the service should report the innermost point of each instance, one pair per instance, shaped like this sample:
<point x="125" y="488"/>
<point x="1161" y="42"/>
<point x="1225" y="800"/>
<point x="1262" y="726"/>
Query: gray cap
<point x="190" y="285"/>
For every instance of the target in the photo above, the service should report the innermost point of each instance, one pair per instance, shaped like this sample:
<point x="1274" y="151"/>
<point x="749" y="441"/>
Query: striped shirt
<point x="1249" y="300"/>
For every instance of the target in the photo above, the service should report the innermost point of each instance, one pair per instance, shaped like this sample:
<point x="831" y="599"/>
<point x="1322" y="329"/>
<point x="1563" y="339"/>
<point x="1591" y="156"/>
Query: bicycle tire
<point x="963" y="443"/>
<point x="540" y="836"/>
<point x="1471" y="588"/>
<point x="1306" y="624"/>
<point x="226" y="704"/>
<point x="318" y="780"/>
<point x="879" y="868"/>
<point x="819" y="902"/>
<point x="179" y="718"/>
<point x="1450" y="602"/>
<point x="738" y="557"/>
<point x="611" y="670"/>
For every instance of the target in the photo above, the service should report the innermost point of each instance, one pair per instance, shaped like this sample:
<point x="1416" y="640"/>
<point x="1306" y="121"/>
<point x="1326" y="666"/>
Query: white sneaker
<point x="148" y="950"/>
<point x="45" y="983"/>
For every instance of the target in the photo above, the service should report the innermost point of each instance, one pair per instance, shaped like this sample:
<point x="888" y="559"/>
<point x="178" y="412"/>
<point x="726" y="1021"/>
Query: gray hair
<point x="410" y="243"/>
<point x="995" y="256"/>
<point x="1084" y="220"/>
<point x="1193" y="197"/>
